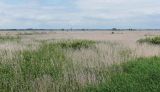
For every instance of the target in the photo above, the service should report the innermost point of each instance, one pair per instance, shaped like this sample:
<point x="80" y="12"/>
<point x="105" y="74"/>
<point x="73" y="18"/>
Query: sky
<point x="89" y="14"/>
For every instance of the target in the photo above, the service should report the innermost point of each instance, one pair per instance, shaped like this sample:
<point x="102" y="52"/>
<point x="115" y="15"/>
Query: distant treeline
<point x="113" y="29"/>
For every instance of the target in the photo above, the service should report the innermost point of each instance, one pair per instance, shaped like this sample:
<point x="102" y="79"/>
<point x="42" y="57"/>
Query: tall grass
<point x="49" y="60"/>
<point x="29" y="65"/>
<point x="139" y="75"/>
<point x="78" y="66"/>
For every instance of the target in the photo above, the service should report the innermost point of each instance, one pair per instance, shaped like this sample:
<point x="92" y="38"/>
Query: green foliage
<point x="152" y="40"/>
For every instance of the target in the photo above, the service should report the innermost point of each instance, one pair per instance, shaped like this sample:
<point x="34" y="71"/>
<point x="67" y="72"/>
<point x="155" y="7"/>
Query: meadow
<point x="80" y="61"/>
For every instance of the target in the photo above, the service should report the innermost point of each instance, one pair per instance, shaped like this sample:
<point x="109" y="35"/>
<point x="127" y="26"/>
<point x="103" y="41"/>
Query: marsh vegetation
<point x="151" y="40"/>
<point x="77" y="66"/>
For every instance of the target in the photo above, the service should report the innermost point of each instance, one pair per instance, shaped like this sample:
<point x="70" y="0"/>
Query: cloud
<point x="121" y="13"/>
<point x="35" y="14"/>
<point x="118" y="9"/>
<point x="79" y="13"/>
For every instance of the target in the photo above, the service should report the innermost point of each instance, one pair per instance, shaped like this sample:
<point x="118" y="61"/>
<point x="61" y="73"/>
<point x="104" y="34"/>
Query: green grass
<point x="48" y="60"/>
<point x="140" y="75"/>
<point x="9" y="38"/>
<point x="152" y="40"/>
<point x="28" y="70"/>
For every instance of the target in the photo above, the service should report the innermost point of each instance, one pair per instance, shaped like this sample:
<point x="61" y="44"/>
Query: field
<point x="81" y="61"/>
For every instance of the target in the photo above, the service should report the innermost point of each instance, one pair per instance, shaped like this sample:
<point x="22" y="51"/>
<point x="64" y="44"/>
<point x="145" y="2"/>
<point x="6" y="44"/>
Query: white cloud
<point x="115" y="9"/>
<point x="30" y="14"/>
<point x="85" y="13"/>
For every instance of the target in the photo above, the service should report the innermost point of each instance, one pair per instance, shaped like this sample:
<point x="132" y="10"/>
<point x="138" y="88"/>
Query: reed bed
<point x="76" y="66"/>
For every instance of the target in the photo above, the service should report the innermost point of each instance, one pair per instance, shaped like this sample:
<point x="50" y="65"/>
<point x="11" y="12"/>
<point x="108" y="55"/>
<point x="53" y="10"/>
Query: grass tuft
<point x="77" y="44"/>
<point x="152" y="40"/>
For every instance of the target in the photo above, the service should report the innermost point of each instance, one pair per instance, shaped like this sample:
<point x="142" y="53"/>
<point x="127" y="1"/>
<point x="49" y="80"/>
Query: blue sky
<point x="79" y="13"/>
